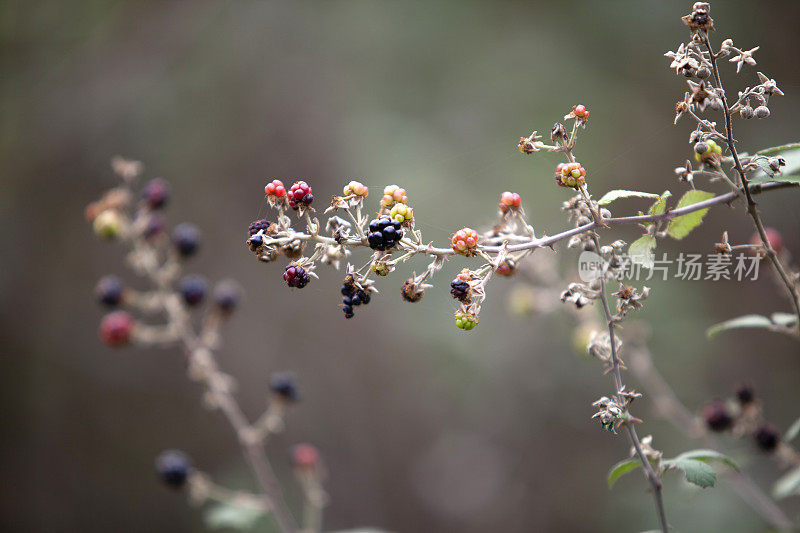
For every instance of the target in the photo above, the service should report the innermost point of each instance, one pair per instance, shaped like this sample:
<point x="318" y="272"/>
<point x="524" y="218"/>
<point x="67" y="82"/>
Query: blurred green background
<point x="422" y="427"/>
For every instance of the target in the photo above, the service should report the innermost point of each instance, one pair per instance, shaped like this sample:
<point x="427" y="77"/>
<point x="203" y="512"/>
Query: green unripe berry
<point x="108" y="224"/>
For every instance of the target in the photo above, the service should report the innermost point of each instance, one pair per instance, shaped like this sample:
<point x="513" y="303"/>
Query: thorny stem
<point x="671" y="408"/>
<point x="548" y="241"/>
<point x="218" y="388"/>
<point x="751" y="204"/>
<point x="651" y="475"/>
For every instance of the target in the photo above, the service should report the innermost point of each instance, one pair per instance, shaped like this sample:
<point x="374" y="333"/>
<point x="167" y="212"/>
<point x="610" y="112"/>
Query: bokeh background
<point x="423" y="428"/>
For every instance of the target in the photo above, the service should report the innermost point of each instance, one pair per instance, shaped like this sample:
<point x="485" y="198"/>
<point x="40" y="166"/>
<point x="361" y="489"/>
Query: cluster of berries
<point x="580" y="112"/>
<point x="393" y="194"/>
<point x="509" y="201"/>
<point x="275" y="188"/>
<point x="460" y="288"/>
<point x="708" y="152"/>
<point x="384" y="233"/>
<point x="296" y="276"/>
<point x="352" y="296"/>
<point x="401" y="213"/>
<point x="466" y="320"/>
<point x="380" y="268"/>
<point x="720" y="416"/>
<point x="300" y="195"/>
<point x="254" y="240"/>
<point x="356" y="188"/>
<point x="570" y="175"/>
<point x="465" y="241"/>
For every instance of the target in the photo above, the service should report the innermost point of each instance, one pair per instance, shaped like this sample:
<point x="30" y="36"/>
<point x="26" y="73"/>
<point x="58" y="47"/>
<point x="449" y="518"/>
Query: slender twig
<point x="752" y="210"/>
<point x="218" y="388"/>
<point x="547" y="241"/>
<point x="616" y="372"/>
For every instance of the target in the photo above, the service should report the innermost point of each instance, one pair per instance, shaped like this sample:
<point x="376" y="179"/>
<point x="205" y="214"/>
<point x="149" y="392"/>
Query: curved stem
<point x="751" y="204"/>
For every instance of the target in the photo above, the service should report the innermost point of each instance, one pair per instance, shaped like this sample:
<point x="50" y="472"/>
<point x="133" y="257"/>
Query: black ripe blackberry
<point x="384" y="233"/>
<point x="284" y="386"/>
<point x="296" y="276"/>
<point x="716" y="416"/>
<point x="459" y="289"/>
<point x="353" y="297"/>
<point x="257" y="225"/>
<point x="110" y="291"/>
<point x="767" y="438"/>
<point x="745" y="394"/>
<point x="173" y="468"/>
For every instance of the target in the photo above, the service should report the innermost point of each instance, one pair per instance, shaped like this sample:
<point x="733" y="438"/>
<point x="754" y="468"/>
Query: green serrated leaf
<point x="223" y="515"/>
<point x="708" y="456"/>
<point x="622" y="468"/>
<point x="616" y="194"/>
<point x="696" y="472"/>
<point x="660" y="205"/>
<point x="681" y="226"/>
<point x="793" y="431"/>
<point x="788" y="485"/>
<point x="642" y="251"/>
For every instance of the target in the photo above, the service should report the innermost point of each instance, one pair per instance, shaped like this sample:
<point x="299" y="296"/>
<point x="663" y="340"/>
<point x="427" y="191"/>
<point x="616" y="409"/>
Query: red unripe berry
<point x="774" y="237"/>
<point x="465" y="241"/>
<point x="506" y="268"/>
<point x="116" y="328"/>
<point x="275" y="188"/>
<point x="300" y="194"/>
<point x="305" y="456"/>
<point x="580" y="111"/>
<point x="509" y="200"/>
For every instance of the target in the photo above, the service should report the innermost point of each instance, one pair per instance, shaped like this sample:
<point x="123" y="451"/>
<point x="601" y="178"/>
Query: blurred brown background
<point x="423" y="428"/>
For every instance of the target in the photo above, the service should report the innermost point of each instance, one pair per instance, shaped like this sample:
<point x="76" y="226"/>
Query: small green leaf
<point x="788" y="485"/>
<point x="622" y="468"/>
<point x="793" y="431"/>
<point x="642" y="251"/>
<point x="753" y="321"/>
<point x="761" y="179"/>
<point x="708" y="456"/>
<point x="746" y="321"/>
<point x="223" y="515"/>
<point x="696" y="472"/>
<point x="681" y="226"/>
<point x="616" y="194"/>
<point x="784" y="319"/>
<point x="660" y="205"/>
<point x="778" y="149"/>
